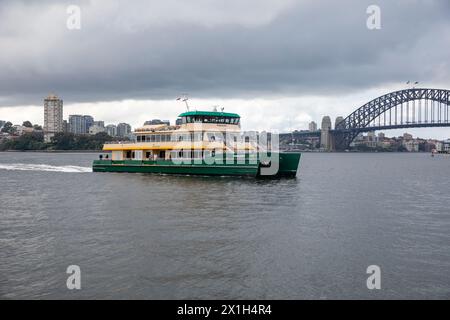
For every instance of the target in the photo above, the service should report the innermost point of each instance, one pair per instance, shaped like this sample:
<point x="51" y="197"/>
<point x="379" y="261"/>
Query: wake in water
<point x="43" y="167"/>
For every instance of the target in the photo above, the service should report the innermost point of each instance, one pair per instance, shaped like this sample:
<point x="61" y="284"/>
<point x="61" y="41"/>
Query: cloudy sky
<point x="279" y="63"/>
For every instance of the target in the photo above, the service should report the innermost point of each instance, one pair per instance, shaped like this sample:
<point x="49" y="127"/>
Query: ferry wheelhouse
<point x="201" y="143"/>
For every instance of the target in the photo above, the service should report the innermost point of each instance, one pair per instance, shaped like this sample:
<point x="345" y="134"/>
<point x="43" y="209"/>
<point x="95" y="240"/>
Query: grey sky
<point x="221" y="49"/>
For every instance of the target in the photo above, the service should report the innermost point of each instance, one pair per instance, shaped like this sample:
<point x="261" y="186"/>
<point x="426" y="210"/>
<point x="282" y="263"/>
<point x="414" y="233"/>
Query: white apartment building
<point x="53" y="117"/>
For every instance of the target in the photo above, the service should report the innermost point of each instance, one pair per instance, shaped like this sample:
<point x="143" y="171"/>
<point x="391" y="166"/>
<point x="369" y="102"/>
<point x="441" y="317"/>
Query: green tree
<point x="27" y="124"/>
<point x="8" y="127"/>
<point x="27" y="141"/>
<point x="63" y="141"/>
<point x="37" y="127"/>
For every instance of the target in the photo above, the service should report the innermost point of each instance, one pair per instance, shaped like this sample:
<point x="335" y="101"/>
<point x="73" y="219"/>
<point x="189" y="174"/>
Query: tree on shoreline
<point x="61" y="141"/>
<point x="8" y="128"/>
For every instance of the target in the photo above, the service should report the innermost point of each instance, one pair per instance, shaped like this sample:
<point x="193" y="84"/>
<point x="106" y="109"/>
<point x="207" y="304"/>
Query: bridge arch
<point x="394" y="110"/>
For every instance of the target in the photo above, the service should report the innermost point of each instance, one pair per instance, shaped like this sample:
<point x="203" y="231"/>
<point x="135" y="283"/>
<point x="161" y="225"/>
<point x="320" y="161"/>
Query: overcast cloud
<point x="257" y="52"/>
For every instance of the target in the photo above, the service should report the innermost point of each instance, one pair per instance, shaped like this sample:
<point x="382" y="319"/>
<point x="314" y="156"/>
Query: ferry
<point x="201" y="143"/>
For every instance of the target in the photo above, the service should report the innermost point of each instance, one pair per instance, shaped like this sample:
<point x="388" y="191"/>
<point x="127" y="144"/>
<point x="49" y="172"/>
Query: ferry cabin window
<point x="209" y="119"/>
<point x="197" y="136"/>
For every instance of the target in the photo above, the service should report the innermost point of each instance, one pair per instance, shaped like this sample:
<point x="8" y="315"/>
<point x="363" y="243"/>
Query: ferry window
<point x="213" y="153"/>
<point x="157" y="138"/>
<point x="138" y="138"/>
<point x="183" y="120"/>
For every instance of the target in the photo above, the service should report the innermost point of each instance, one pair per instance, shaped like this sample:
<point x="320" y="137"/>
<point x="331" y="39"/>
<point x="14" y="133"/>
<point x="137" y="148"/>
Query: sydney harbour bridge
<point x="409" y="108"/>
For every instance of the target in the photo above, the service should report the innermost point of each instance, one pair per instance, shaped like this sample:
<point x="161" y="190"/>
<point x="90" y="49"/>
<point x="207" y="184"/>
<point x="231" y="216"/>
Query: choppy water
<point x="150" y="236"/>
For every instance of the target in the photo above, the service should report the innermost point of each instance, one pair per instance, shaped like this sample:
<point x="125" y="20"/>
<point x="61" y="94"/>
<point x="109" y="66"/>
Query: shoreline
<point x="303" y="151"/>
<point x="53" y="151"/>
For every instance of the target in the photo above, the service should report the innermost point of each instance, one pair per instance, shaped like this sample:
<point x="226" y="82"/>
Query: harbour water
<point x="177" y="237"/>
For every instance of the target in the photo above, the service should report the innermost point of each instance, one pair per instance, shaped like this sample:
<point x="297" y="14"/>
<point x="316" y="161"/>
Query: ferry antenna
<point x="184" y="97"/>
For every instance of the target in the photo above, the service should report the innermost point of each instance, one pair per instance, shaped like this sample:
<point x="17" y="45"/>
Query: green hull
<point x="288" y="166"/>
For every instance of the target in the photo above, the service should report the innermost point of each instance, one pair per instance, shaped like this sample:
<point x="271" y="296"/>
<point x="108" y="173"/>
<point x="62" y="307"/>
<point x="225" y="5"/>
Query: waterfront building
<point x="2" y="123"/>
<point x="156" y="121"/>
<point x="111" y="130"/>
<point x="446" y="146"/>
<point x="312" y="126"/>
<point x="80" y="124"/>
<point x="371" y="136"/>
<point x="53" y="117"/>
<point x="88" y="122"/>
<point x="76" y="124"/>
<point x="411" y="145"/>
<point x="94" y="129"/>
<point x="18" y="129"/>
<point x="99" y="123"/>
<point x="407" y="136"/>
<point x="325" y="137"/>
<point x="123" y="130"/>
<point x="338" y="120"/>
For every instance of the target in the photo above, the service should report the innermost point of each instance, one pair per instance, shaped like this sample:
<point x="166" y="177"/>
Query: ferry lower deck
<point x="287" y="166"/>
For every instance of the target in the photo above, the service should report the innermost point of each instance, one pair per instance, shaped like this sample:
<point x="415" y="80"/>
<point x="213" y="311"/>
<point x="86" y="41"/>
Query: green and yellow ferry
<point x="201" y="143"/>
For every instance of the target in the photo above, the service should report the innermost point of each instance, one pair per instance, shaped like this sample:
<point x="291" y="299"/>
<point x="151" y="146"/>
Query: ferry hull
<point x="288" y="166"/>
